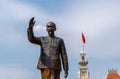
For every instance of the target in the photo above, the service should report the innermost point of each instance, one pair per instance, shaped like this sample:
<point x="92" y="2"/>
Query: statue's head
<point x="51" y="25"/>
<point x="51" y="28"/>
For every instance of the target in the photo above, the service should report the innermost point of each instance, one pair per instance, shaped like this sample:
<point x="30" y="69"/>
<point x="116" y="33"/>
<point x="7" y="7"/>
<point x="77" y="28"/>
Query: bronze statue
<point x="52" y="52"/>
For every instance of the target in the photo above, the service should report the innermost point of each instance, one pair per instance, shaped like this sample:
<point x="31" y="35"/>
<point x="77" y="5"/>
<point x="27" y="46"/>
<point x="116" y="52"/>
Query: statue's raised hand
<point x="31" y="22"/>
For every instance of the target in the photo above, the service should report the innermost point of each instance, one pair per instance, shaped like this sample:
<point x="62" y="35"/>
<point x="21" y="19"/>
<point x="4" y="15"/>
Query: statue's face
<point x="50" y="30"/>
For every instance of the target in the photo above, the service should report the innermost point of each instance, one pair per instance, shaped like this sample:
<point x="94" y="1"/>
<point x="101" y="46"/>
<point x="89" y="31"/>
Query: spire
<point x="83" y="72"/>
<point x="83" y="60"/>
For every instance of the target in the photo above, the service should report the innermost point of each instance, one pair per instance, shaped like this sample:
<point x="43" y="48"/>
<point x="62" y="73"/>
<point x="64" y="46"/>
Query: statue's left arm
<point x="64" y="58"/>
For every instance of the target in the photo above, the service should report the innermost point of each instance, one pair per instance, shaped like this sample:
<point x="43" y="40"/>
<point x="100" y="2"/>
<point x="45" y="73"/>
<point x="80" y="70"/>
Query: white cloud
<point x="97" y="22"/>
<point x="20" y="11"/>
<point x="12" y="12"/>
<point x="39" y="30"/>
<point x="91" y="17"/>
<point x="12" y="71"/>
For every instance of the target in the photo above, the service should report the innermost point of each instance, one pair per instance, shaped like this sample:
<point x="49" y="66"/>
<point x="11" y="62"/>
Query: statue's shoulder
<point x="58" y="38"/>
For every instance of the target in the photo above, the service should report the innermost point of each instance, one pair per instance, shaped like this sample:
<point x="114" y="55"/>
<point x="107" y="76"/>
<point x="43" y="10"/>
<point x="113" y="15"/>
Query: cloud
<point x="14" y="71"/>
<point x="92" y="17"/>
<point x="13" y="16"/>
<point x="97" y="22"/>
<point x="19" y="11"/>
<point x="39" y="30"/>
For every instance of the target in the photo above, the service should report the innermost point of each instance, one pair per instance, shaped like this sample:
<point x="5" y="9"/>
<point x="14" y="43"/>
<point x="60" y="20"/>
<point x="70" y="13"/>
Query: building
<point x="83" y="72"/>
<point x="113" y="74"/>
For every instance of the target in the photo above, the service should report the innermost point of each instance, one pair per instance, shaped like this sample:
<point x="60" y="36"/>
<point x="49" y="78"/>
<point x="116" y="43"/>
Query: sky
<point x="97" y="19"/>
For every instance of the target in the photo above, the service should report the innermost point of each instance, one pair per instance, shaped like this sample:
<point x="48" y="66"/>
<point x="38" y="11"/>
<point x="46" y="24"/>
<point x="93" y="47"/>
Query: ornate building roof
<point x="113" y="75"/>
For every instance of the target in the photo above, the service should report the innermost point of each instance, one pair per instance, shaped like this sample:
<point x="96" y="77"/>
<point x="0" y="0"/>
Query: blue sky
<point x="98" y="19"/>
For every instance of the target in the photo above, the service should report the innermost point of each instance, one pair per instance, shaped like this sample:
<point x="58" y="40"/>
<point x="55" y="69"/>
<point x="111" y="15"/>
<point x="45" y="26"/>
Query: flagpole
<point x="83" y="48"/>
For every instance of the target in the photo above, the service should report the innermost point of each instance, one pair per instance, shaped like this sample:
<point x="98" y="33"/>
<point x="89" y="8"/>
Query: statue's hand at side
<point x="31" y="23"/>
<point x="66" y="73"/>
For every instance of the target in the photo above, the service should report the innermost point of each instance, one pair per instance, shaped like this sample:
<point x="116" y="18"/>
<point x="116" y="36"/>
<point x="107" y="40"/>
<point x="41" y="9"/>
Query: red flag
<point x="83" y="38"/>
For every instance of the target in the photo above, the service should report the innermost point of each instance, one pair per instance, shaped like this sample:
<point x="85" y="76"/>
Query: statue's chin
<point x="50" y="33"/>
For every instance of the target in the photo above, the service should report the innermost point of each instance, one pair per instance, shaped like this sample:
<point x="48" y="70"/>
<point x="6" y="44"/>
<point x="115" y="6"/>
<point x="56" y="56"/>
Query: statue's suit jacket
<point x="52" y="51"/>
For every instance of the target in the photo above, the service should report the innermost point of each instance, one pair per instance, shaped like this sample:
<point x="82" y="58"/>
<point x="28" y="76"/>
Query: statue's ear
<point x="54" y="29"/>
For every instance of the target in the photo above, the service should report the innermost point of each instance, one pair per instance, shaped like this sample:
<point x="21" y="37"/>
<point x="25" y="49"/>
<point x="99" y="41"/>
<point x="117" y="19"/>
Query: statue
<point x="53" y="52"/>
